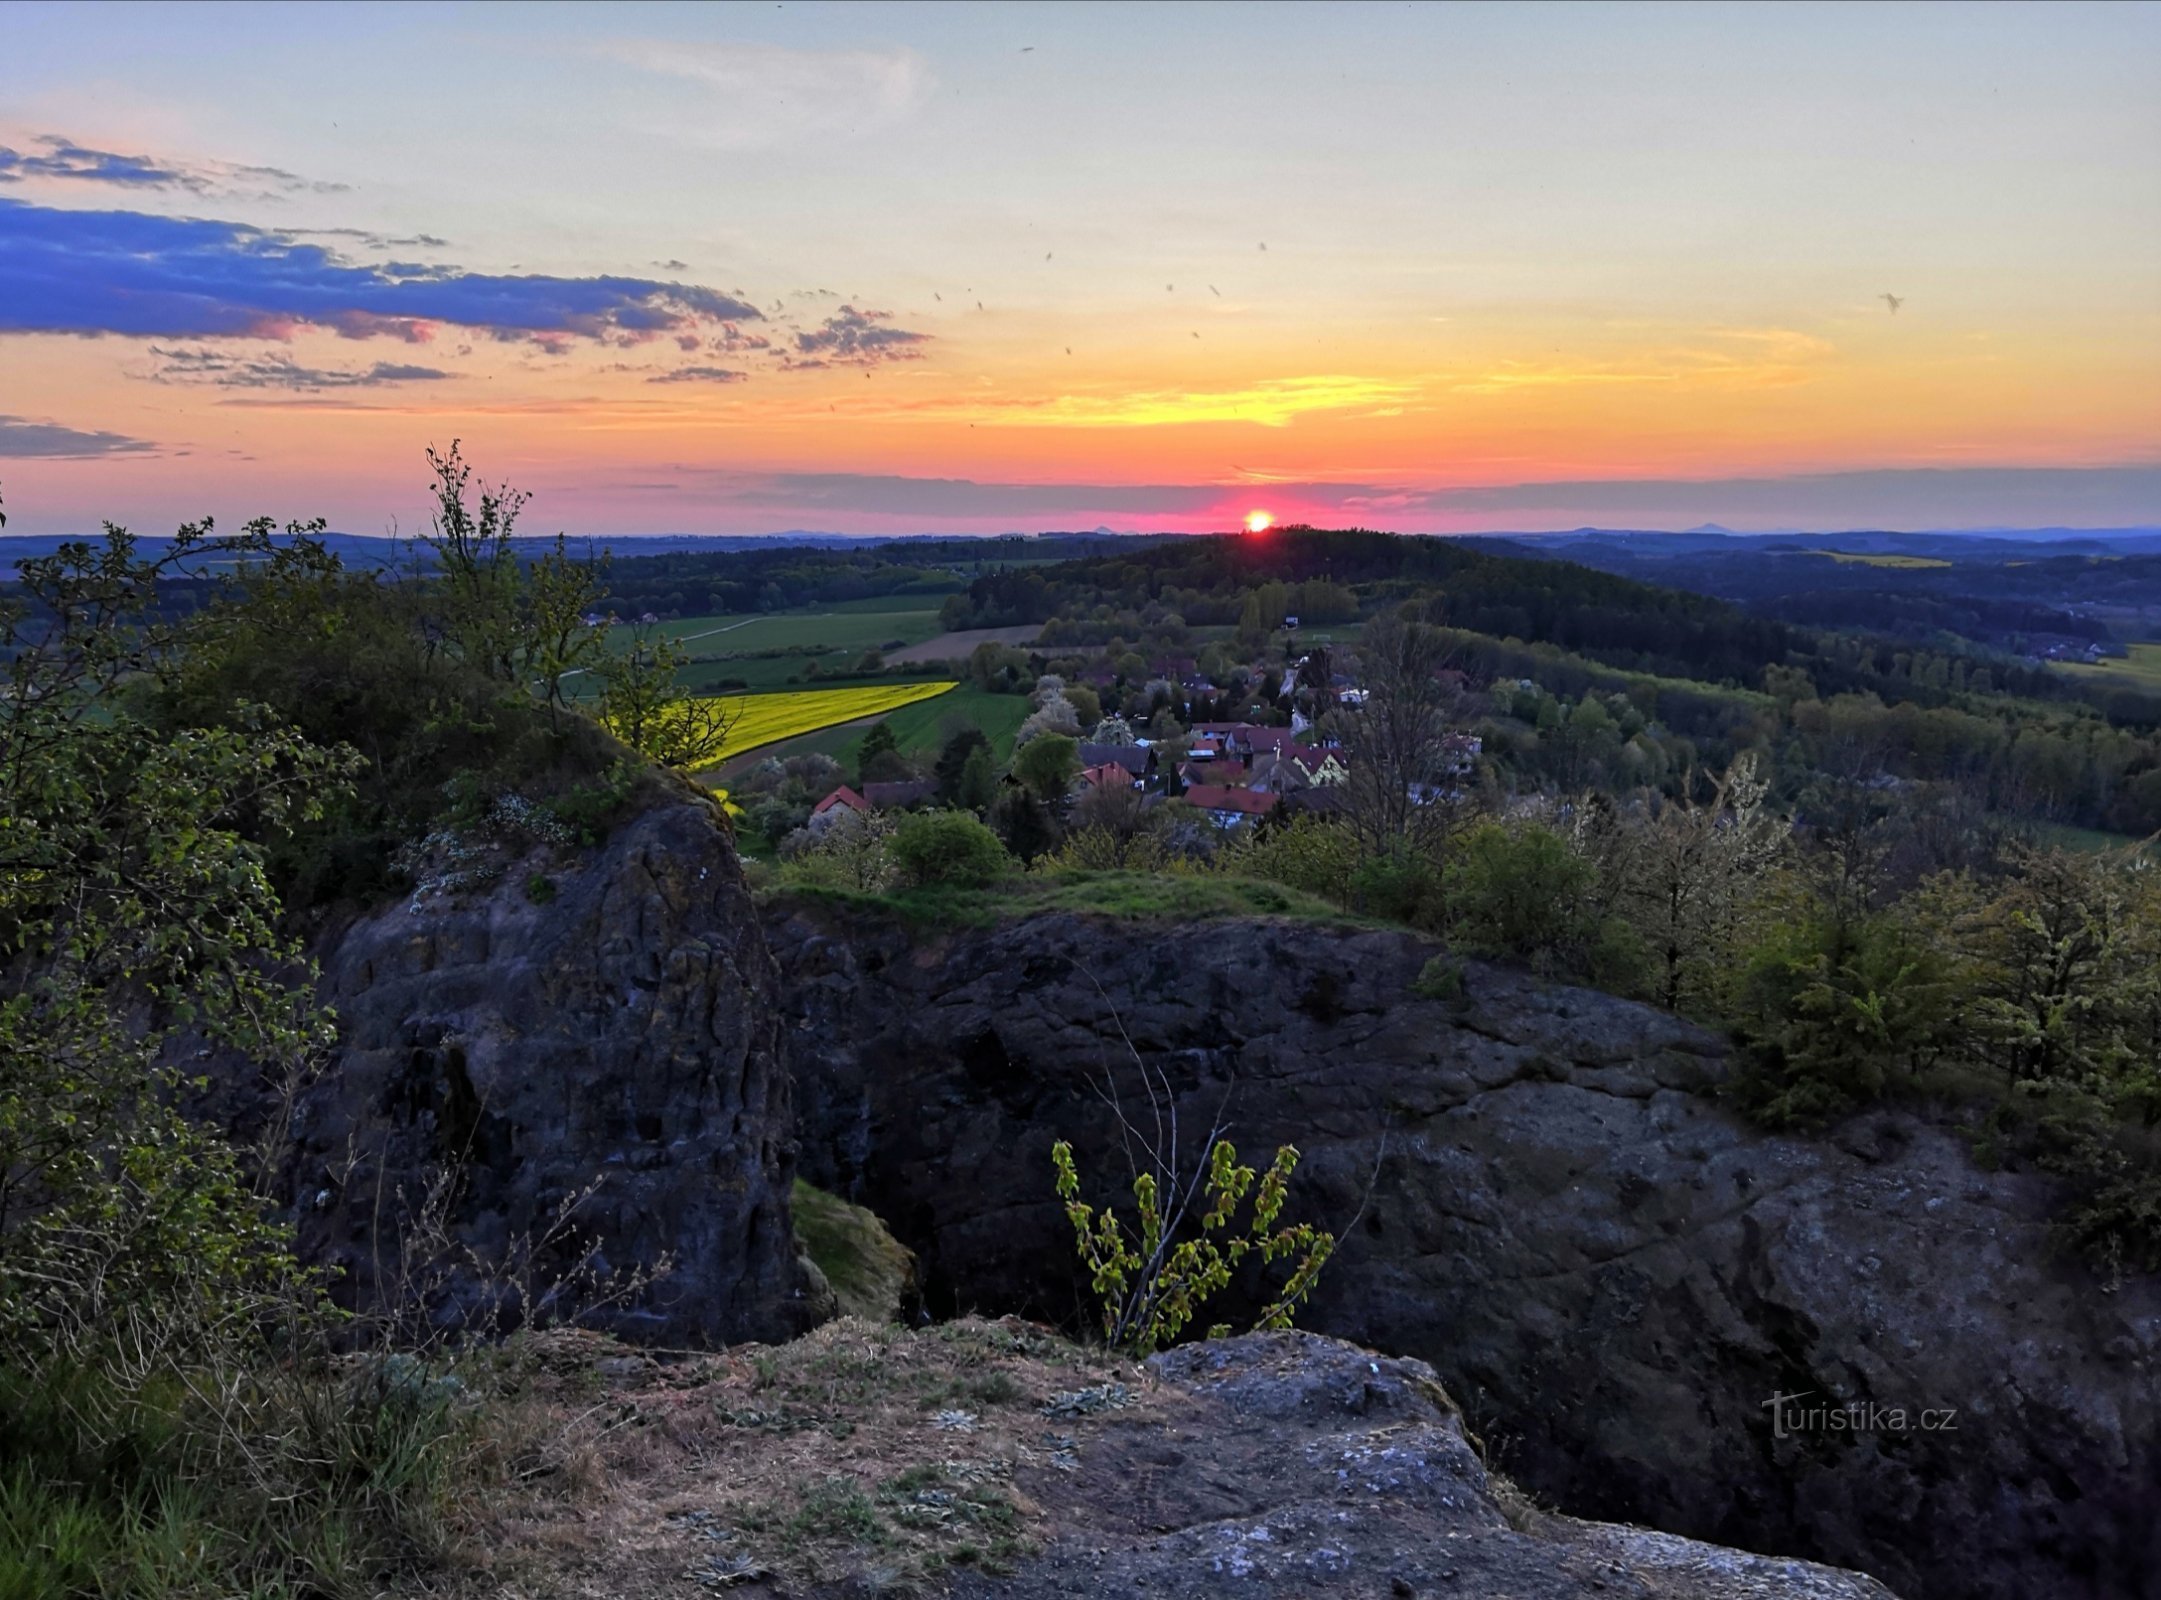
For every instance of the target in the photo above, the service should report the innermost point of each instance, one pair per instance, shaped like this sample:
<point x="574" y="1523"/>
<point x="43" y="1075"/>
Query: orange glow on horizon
<point x="1259" y="521"/>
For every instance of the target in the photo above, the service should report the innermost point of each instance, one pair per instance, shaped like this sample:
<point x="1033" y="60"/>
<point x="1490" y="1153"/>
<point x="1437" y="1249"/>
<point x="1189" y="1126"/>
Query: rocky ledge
<point x="557" y="1079"/>
<point x="1860" y="1348"/>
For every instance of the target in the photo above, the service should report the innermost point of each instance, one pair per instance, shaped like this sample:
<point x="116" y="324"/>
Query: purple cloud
<point x="20" y="438"/>
<point x="137" y="275"/>
<point x="699" y="375"/>
<point x="857" y="338"/>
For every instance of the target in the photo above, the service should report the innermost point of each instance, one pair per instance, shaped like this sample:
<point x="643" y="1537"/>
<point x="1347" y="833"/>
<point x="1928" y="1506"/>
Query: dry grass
<point x="859" y="1449"/>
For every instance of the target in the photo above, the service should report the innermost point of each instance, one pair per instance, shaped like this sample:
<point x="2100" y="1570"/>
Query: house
<point x="1228" y="807"/>
<point x="899" y="794"/>
<point x="843" y="796"/>
<point x="1138" y="760"/>
<point x="842" y="802"/>
<point x="1108" y="775"/>
<point x="1220" y="771"/>
<point x="1460" y="753"/>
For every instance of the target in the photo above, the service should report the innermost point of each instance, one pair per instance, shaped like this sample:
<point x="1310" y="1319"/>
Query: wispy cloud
<point x="699" y="375"/>
<point x="56" y="159"/>
<point x="131" y="273"/>
<point x="1270" y="405"/>
<point x="1758" y="358"/>
<point x="229" y="371"/>
<point x="764" y="96"/>
<point x="852" y="338"/>
<point x="21" y="438"/>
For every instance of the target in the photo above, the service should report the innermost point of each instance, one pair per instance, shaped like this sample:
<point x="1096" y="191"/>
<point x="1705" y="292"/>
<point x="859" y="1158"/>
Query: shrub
<point x="1152" y="1284"/>
<point x="947" y="847"/>
<point x="1439" y="979"/>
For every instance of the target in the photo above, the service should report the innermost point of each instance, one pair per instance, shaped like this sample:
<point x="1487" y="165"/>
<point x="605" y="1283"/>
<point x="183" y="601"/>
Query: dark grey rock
<point x="1612" y="1274"/>
<point x="620" y="1038"/>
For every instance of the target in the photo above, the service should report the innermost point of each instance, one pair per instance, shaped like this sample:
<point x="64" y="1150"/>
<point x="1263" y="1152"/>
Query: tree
<point x="977" y="786"/>
<point x="1023" y="823"/>
<point x="560" y="594"/>
<point x="878" y="759"/>
<point x="476" y="566"/>
<point x="641" y="705"/>
<point x="1397" y="740"/>
<point x="953" y="760"/>
<point x="1047" y="766"/>
<point x="947" y="847"/>
<point x="1684" y="874"/>
<point x="134" y="913"/>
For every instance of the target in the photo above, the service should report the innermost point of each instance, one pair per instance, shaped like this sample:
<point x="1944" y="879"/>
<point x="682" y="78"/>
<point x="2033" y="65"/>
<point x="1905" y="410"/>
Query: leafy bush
<point x="1151" y="1283"/>
<point x="947" y="847"/>
<point x="1520" y="893"/>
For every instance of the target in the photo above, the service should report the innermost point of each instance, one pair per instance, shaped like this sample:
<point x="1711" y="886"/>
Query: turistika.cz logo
<point x="1791" y="1414"/>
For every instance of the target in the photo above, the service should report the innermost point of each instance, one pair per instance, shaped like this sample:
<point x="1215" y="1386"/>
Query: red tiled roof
<point x="1109" y="775"/>
<point x="1220" y="797"/>
<point x="843" y="796"/>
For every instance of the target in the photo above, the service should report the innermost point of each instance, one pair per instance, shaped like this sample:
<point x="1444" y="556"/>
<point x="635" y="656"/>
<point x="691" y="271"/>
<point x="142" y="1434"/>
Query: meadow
<point x="763" y="719"/>
<point x="1896" y="563"/>
<point x="2141" y="669"/>
<point x="841" y="627"/>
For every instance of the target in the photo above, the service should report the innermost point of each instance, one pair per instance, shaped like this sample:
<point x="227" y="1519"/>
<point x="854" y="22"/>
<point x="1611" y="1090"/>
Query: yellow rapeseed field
<point x="764" y="718"/>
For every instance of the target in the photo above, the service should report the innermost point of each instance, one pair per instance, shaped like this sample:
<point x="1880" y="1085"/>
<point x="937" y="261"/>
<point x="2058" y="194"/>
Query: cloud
<point x="765" y="96"/>
<point x="20" y="438"/>
<point x="62" y="160"/>
<point x="852" y="338"/>
<point x="227" y="371"/>
<point x="1886" y="497"/>
<point x="130" y="273"/>
<point x="699" y="375"/>
<point x="957" y="497"/>
<point x="1910" y="498"/>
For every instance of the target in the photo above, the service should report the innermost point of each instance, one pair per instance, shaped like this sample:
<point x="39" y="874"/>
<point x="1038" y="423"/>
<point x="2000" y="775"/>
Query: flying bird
<point x="1068" y="349"/>
<point x="935" y="295"/>
<point x="1024" y="49"/>
<point x="1894" y="301"/>
<point x="1218" y="293"/>
<point x="1264" y="244"/>
<point x="979" y="305"/>
<point x="1046" y="255"/>
<point x="1196" y="336"/>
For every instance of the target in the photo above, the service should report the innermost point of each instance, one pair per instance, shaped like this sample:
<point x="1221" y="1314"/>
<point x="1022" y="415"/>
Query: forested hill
<point x="1463" y="583"/>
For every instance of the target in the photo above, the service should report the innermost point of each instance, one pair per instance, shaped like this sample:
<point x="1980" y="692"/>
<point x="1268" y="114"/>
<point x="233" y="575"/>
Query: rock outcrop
<point x="541" y="1093"/>
<point x="1298" y="1465"/>
<point x="1619" y="1280"/>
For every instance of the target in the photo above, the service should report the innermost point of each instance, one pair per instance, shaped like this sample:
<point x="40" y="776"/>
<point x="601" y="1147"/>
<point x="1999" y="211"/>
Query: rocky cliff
<point x="553" y="1083"/>
<point x="1619" y="1280"/>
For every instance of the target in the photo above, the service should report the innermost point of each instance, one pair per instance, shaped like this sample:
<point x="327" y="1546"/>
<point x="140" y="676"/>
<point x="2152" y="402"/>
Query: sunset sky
<point x="982" y="268"/>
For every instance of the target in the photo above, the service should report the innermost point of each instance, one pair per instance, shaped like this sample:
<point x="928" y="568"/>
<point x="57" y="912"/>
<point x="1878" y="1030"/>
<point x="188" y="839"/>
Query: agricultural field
<point x="836" y="628"/>
<point x="2141" y="669"/>
<point x="1849" y="558"/>
<point x="919" y="728"/>
<point x="763" y="719"/>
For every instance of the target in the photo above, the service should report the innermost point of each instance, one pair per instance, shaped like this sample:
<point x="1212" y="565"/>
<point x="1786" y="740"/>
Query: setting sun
<point x="1258" y="521"/>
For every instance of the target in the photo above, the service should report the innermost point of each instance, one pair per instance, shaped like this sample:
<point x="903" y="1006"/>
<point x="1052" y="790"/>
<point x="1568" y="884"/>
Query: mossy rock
<point x="871" y="1273"/>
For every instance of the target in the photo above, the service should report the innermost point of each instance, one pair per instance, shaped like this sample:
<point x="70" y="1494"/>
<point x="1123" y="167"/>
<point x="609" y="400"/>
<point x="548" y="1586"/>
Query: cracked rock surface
<point x="1614" y="1276"/>
<point x="1297" y="1465"/>
<point x="617" y="1042"/>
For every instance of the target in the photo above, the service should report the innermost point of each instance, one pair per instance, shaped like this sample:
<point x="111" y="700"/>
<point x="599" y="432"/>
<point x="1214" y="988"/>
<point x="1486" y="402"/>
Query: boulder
<point x="559" y="1086"/>
<point x="1860" y="1348"/>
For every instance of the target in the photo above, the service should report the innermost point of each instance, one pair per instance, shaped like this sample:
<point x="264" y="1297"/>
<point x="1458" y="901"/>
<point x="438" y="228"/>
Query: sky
<point x="983" y="268"/>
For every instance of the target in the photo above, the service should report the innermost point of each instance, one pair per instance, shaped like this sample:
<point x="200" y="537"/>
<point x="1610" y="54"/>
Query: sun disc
<point x="1258" y="521"/>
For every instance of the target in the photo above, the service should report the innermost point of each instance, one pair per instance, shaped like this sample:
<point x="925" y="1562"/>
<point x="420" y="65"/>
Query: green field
<point x="919" y="728"/>
<point x="1850" y="558"/>
<point x="767" y="719"/>
<point x="836" y="628"/>
<point x="2141" y="669"/>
